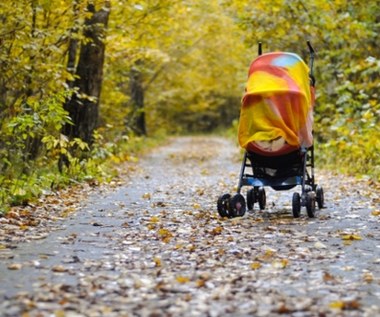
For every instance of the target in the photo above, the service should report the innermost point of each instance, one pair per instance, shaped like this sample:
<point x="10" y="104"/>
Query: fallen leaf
<point x="283" y="310"/>
<point x="182" y="279"/>
<point x="24" y="227"/>
<point x="368" y="277"/>
<point x="154" y="219"/>
<point x="147" y="196"/>
<point x="200" y="283"/>
<point x="280" y="264"/>
<point x="157" y="261"/>
<point x="59" y="269"/>
<point x="351" y="237"/>
<point x="337" y="305"/>
<point x="15" y="266"/>
<point x="216" y="231"/>
<point x="345" y="305"/>
<point x="375" y="213"/>
<point x="320" y="245"/>
<point x="327" y="277"/>
<point x="255" y="265"/>
<point x="165" y="235"/>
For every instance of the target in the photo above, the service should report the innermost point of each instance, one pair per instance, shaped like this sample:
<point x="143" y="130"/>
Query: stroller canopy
<point x="277" y="107"/>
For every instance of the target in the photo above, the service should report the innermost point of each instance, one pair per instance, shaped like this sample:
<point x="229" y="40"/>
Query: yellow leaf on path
<point x="255" y="265"/>
<point x="205" y="172"/>
<point x="341" y="304"/>
<point x="157" y="261"/>
<point x="196" y="206"/>
<point x="147" y="196"/>
<point x="151" y="226"/>
<point x="280" y="264"/>
<point x="60" y="313"/>
<point x="216" y="231"/>
<point x="165" y="235"/>
<point x="351" y="237"/>
<point x="154" y="219"/>
<point x="375" y="213"/>
<point x="338" y="304"/>
<point x="182" y="279"/>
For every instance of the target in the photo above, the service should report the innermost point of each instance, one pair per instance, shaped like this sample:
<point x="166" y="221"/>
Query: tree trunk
<point x="83" y="107"/>
<point x="137" y="99"/>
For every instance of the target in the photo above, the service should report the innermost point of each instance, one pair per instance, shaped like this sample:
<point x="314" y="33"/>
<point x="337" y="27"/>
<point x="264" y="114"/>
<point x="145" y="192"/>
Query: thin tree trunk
<point x="137" y="99"/>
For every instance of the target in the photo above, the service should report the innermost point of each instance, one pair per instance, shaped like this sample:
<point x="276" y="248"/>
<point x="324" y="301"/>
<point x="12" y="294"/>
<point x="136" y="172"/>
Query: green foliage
<point x="345" y="35"/>
<point x="355" y="129"/>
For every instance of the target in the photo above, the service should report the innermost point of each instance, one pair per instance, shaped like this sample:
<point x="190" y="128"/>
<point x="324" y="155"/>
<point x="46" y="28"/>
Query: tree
<point x="83" y="106"/>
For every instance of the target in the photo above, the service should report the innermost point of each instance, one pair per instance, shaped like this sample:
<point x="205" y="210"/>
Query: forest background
<point x="85" y="83"/>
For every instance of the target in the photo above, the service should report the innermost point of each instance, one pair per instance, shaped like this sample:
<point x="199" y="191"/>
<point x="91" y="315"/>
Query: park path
<point x="155" y="246"/>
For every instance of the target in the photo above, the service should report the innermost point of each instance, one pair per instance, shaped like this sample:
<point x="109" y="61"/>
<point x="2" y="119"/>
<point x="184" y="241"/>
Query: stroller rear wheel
<point x="251" y="198"/>
<point x="223" y="205"/>
<point x="262" y="198"/>
<point x="310" y="204"/>
<point x="237" y="206"/>
<point x="320" y="197"/>
<point x="296" y="205"/>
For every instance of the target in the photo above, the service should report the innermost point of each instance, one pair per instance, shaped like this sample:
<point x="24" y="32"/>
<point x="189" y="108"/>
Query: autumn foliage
<point x="174" y="66"/>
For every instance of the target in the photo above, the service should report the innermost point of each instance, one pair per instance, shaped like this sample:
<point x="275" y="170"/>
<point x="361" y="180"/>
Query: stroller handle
<point x="311" y="49"/>
<point x="311" y="63"/>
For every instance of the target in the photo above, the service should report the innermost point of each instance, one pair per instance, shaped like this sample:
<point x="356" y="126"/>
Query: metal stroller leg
<point x="242" y="170"/>
<point x="308" y="197"/>
<point x="304" y="173"/>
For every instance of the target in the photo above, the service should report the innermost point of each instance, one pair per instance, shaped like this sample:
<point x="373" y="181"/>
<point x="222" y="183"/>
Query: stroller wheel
<point x="310" y="204"/>
<point x="223" y="205"/>
<point x="251" y="196"/>
<point x="262" y="198"/>
<point x="320" y="197"/>
<point x="237" y="206"/>
<point x="296" y="205"/>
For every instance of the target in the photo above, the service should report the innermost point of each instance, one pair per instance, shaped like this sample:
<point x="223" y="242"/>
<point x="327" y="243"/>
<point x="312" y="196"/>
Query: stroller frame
<point x="300" y="172"/>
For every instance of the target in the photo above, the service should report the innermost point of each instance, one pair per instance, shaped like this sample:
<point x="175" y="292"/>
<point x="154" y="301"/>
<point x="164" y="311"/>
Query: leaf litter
<point x="162" y="250"/>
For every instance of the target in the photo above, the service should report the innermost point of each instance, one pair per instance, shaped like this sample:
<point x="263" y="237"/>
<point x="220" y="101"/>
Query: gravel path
<point x="155" y="246"/>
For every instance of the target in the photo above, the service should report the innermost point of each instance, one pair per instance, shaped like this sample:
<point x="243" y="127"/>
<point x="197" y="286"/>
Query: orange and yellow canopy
<point x="278" y="102"/>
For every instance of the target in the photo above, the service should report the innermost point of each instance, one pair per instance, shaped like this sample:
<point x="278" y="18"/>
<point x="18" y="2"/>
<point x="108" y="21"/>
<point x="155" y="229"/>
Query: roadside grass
<point x="96" y="166"/>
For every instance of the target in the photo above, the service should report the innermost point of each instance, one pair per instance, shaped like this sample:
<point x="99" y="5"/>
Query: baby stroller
<point x="275" y="129"/>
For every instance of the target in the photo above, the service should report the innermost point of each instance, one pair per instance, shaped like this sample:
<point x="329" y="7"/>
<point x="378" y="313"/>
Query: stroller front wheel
<point x="223" y="205"/>
<point x="237" y="206"/>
